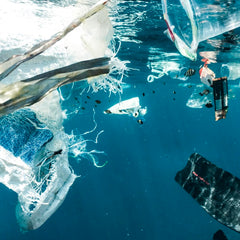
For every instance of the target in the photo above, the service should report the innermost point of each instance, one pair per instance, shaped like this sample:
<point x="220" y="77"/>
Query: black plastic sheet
<point x="216" y="190"/>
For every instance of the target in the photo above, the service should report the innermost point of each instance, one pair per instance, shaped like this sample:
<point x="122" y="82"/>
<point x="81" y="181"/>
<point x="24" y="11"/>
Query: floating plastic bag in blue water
<point x="34" y="163"/>
<point x="33" y="145"/>
<point x="190" y="22"/>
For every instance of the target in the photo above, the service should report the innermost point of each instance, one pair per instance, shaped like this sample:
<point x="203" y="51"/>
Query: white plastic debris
<point x="130" y="107"/>
<point x="42" y="184"/>
<point x="206" y="75"/>
<point x="200" y="20"/>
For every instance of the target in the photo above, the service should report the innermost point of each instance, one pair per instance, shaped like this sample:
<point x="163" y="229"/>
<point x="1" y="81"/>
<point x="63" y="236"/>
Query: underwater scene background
<point x="134" y="196"/>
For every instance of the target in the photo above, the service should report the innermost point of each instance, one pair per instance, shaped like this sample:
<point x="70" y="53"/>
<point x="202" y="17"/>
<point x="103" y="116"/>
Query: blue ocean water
<point x="135" y="196"/>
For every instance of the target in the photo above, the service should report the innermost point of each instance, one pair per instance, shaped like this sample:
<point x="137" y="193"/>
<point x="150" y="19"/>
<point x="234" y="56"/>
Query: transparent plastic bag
<point x="192" y="21"/>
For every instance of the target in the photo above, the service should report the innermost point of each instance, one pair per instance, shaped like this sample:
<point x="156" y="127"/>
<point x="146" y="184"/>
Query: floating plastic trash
<point x="192" y="21"/>
<point x="231" y="71"/>
<point x="10" y="64"/>
<point x="216" y="190"/>
<point x="130" y="107"/>
<point x="196" y="100"/>
<point x="29" y="91"/>
<point x="165" y="64"/>
<point x="219" y="235"/>
<point x="38" y="171"/>
<point x="34" y="147"/>
<point x="206" y="75"/>
<point x="220" y="93"/>
<point x="22" y="128"/>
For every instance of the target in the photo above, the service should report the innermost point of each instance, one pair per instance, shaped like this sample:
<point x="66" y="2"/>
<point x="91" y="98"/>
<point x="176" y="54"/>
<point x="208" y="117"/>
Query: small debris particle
<point x="98" y="101"/>
<point x="204" y="92"/>
<point x="77" y="100"/>
<point x="209" y="105"/>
